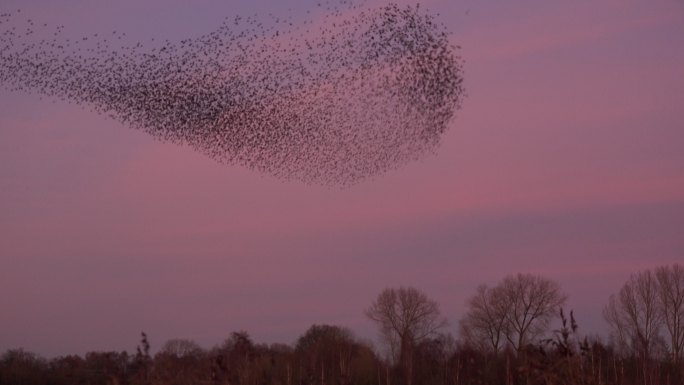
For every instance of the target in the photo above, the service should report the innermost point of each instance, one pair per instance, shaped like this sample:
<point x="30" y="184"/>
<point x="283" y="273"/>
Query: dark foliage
<point x="331" y="355"/>
<point x="328" y="354"/>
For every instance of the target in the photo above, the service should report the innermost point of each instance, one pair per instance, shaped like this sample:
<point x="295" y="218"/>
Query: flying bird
<point x="365" y="93"/>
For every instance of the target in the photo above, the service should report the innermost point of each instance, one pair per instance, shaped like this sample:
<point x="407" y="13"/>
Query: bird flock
<point x="333" y="100"/>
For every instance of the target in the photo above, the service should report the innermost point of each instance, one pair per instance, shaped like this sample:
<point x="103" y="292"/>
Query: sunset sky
<point x="566" y="160"/>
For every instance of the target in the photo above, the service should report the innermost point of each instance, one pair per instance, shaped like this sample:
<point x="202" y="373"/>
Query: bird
<point x="335" y="104"/>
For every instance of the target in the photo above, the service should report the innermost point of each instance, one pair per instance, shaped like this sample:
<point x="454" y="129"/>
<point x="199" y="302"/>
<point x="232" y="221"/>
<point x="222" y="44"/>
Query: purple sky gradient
<point x="566" y="160"/>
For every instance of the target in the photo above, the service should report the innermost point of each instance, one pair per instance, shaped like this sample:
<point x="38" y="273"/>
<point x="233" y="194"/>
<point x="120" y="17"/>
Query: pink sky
<point x="566" y="160"/>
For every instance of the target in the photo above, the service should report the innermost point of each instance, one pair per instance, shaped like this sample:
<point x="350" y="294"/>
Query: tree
<point x="179" y="347"/>
<point x="21" y="367"/>
<point x="633" y="314"/>
<point x="432" y="357"/>
<point x="517" y="311"/>
<point x="671" y="301"/>
<point x="532" y="301"/>
<point x="406" y="317"/>
<point x="326" y="352"/>
<point x="485" y="324"/>
<point x="105" y="367"/>
<point x="181" y="362"/>
<point x="635" y="317"/>
<point x="234" y="360"/>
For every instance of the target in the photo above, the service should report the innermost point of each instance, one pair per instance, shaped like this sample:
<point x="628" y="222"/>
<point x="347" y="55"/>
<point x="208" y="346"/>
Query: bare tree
<point x="634" y="315"/>
<point x="516" y="312"/>
<point x="179" y="347"/>
<point x="406" y="317"/>
<point x="485" y="324"/>
<point x="532" y="302"/>
<point x="671" y="301"/>
<point x="181" y="362"/>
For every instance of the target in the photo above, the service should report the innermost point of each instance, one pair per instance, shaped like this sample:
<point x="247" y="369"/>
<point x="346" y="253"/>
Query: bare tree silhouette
<point x="406" y="316"/>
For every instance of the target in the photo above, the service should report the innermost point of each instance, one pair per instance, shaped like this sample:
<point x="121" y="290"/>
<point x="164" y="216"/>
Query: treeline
<point x="515" y="332"/>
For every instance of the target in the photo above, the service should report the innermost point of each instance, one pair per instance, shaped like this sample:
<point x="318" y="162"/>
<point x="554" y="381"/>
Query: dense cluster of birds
<point x="332" y="102"/>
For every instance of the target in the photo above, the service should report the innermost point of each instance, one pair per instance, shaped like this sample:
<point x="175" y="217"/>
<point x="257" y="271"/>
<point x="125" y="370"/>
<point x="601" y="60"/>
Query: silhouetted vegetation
<point x="557" y="353"/>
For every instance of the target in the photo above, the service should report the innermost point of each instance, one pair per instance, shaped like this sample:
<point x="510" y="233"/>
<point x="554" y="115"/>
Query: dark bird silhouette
<point x="367" y="92"/>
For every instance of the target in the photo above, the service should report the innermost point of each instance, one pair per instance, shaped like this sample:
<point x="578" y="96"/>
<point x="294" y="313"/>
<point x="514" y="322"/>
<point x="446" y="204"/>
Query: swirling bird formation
<point x="334" y="103"/>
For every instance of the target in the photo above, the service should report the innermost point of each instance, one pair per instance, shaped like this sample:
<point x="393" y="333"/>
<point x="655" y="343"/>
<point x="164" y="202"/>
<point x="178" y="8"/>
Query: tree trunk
<point x="406" y="360"/>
